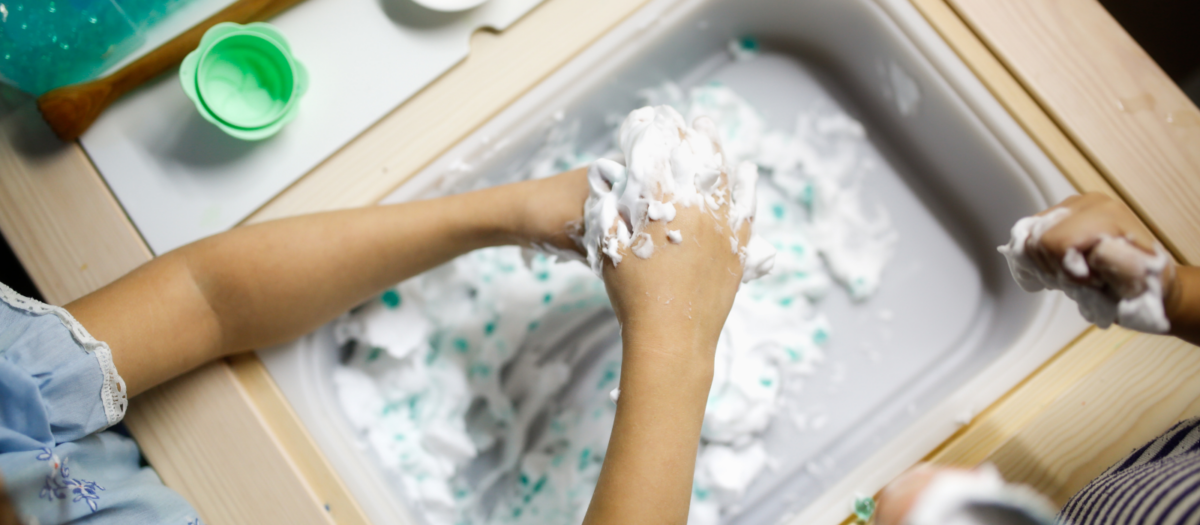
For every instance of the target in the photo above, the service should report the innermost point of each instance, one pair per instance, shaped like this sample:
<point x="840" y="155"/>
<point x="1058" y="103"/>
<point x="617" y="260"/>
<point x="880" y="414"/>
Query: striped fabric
<point x="1157" y="484"/>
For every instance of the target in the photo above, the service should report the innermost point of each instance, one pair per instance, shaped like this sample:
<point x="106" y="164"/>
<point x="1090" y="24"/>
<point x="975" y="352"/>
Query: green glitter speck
<point x="807" y="196"/>
<point x="375" y="353"/>
<point x="461" y="345"/>
<point x="489" y="328"/>
<point x="584" y="457"/>
<point x="820" y="337"/>
<point x="546" y="299"/>
<point x="391" y="299"/>
<point x="864" y="507"/>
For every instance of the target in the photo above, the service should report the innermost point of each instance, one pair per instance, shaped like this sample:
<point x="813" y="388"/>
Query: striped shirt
<point x="1157" y="484"/>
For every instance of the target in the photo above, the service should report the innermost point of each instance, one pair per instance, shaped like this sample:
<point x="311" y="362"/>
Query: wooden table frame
<point x="1102" y="110"/>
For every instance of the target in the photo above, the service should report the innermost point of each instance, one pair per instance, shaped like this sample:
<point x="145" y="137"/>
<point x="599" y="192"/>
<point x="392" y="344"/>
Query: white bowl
<point x="450" y="6"/>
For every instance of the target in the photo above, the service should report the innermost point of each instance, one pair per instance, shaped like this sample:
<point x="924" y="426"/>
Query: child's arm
<point x="1095" y="215"/>
<point x="264" y="284"/>
<point x="672" y="308"/>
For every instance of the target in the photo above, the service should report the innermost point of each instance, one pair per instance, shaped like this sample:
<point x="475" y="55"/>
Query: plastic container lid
<point x="244" y="79"/>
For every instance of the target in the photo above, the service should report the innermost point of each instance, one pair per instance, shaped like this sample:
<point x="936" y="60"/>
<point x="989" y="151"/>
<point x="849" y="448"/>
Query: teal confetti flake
<point x="584" y="457"/>
<point x="392" y="407"/>
<point x="820" y="336"/>
<point x="375" y="353"/>
<point x="864" y="508"/>
<point x="391" y="299"/>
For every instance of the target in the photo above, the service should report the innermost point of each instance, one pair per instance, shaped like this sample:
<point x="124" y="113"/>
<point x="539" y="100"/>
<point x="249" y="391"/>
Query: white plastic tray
<point x="955" y="172"/>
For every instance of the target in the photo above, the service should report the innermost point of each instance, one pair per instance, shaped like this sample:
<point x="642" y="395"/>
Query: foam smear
<point x="668" y="165"/>
<point x="1100" y="306"/>
<point x="979" y="497"/>
<point x="486" y="387"/>
<point x="819" y="164"/>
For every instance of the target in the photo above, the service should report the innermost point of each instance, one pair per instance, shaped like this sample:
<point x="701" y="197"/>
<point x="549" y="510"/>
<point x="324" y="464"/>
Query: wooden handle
<point x="70" y="110"/>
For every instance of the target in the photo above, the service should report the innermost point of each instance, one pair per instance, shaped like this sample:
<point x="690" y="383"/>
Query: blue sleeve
<point x="50" y="385"/>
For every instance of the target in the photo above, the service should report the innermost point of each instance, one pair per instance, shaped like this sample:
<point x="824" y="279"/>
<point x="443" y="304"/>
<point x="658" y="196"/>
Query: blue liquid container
<point x="46" y="44"/>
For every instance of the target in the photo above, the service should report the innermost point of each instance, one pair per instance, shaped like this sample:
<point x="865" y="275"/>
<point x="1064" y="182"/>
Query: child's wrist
<point x="496" y="215"/>
<point x="1181" y="300"/>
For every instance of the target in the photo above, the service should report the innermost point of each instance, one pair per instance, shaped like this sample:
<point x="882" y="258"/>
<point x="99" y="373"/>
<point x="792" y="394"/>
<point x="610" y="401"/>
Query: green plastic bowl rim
<point x="283" y="49"/>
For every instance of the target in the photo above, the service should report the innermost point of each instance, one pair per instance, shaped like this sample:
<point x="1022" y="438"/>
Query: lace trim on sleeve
<point x="112" y="392"/>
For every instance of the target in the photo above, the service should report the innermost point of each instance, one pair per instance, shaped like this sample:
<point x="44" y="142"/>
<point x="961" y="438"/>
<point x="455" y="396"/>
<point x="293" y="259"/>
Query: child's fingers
<point x="1121" y="265"/>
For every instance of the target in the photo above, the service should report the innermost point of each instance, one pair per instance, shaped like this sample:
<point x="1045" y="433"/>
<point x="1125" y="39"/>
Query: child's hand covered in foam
<point x="1098" y="252"/>
<point x="669" y="167"/>
<point x="1099" y="242"/>
<point x="935" y="495"/>
<point x="685" y="216"/>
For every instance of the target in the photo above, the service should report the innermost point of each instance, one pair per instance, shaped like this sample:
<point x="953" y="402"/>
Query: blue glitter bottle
<point x="45" y="44"/>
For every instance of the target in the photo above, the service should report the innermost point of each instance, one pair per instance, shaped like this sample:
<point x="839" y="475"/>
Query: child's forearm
<point x="648" y="468"/>
<point x="1183" y="304"/>
<point x="264" y="284"/>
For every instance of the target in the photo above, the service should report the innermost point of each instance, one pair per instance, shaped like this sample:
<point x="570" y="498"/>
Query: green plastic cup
<point x="244" y="79"/>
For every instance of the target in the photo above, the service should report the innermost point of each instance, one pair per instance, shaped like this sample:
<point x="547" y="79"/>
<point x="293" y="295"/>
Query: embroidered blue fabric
<point x="58" y="463"/>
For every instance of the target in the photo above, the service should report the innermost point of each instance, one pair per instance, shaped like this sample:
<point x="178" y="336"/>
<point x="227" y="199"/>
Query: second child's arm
<point x="1095" y="215"/>
<point x="264" y="284"/>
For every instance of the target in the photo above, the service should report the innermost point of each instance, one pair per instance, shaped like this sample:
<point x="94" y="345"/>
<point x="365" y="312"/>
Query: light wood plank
<point x="1040" y="127"/>
<point x="207" y="442"/>
<point x="1116" y="104"/>
<point x="500" y="68"/>
<point x="997" y="425"/>
<point x="57" y="214"/>
<point x="1147" y="386"/>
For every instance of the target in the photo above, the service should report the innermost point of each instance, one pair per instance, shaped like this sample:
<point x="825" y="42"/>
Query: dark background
<point x="1169" y="30"/>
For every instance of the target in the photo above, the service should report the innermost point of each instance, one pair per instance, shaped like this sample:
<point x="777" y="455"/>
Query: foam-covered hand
<point x="683" y="293"/>
<point x="1099" y="242"/>
<point x="898" y="498"/>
